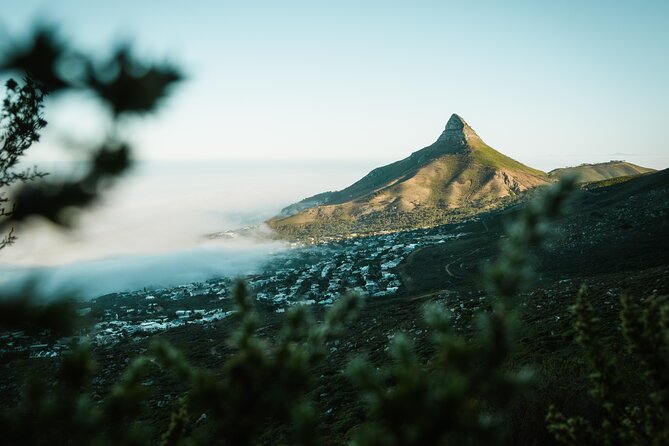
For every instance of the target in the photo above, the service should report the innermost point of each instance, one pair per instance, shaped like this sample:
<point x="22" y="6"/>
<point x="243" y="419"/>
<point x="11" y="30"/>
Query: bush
<point x="632" y="412"/>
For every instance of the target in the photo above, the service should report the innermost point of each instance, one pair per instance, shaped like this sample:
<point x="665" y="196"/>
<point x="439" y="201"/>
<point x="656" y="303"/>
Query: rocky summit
<point x="457" y="132"/>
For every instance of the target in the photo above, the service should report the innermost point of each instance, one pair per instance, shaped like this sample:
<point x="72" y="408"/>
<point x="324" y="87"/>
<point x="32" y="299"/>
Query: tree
<point x="20" y="122"/>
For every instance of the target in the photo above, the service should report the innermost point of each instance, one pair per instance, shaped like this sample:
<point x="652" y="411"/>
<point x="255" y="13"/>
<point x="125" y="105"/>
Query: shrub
<point x="632" y="413"/>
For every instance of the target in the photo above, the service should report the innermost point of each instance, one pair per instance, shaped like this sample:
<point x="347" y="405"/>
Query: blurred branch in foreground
<point x="62" y="410"/>
<point x="20" y="123"/>
<point x="123" y="84"/>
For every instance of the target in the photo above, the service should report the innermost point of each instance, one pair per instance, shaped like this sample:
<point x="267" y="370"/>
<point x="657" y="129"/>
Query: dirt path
<point x="448" y="270"/>
<point x="448" y="266"/>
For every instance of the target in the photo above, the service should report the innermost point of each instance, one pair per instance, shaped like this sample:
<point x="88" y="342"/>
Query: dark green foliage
<point x="265" y="381"/>
<point x="20" y="123"/>
<point x="62" y="411"/>
<point x="122" y="84"/>
<point x="608" y="182"/>
<point x="39" y="58"/>
<point x="178" y="429"/>
<point x="129" y="86"/>
<point x="457" y="397"/>
<point x="55" y="200"/>
<point x="26" y="313"/>
<point x="632" y="413"/>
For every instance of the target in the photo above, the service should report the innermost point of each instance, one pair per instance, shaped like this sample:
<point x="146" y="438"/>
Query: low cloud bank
<point x="91" y="279"/>
<point x="151" y="229"/>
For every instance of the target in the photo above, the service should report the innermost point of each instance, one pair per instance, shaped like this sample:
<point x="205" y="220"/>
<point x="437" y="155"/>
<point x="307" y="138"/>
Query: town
<point x="307" y="274"/>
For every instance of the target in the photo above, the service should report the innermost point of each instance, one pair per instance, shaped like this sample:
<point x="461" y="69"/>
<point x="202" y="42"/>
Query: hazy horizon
<point x="548" y="84"/>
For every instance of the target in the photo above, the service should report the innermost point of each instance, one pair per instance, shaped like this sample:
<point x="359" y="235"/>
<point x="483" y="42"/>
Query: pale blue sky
<point x="548" y="83"/>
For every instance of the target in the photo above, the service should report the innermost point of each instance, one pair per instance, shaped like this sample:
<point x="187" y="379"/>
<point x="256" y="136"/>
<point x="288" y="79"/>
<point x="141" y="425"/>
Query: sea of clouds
<point x="150" y="230"/>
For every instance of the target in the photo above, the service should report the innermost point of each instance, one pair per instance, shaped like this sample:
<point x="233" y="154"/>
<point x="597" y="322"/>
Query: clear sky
<point x="548" y="83"/>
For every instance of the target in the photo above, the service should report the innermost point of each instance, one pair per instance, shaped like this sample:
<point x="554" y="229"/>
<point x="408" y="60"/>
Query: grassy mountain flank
<point x="587" y="173"/>
<point x="457" y="175"/>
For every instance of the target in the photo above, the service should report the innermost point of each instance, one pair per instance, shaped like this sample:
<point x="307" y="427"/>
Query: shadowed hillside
<point x="613" y="229"/>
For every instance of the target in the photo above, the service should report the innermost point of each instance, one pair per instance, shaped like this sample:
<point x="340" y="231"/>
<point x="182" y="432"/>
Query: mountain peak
<point x="457" y="171"/>
<point x="457" y="131"/>
<point x="455" y="122"/>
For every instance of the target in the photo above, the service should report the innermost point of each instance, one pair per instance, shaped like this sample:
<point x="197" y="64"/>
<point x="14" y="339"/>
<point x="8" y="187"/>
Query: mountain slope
<point x="614" y="229"/>
<point x="458" y="173"/>
<point x="587" y="173"/>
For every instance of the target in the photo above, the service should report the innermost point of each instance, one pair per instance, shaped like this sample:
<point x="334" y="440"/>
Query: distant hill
<point x="456" y="175"/>
<point x="587" y="173"/>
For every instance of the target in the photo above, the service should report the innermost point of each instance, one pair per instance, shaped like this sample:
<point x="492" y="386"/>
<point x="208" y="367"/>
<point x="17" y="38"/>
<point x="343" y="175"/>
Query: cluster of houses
<point x="318" y="274"/>
<point x="314" y="274"/>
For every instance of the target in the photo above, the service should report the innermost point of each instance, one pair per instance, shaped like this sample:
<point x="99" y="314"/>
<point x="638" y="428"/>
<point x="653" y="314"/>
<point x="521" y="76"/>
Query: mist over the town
<point x="158" y="228"/>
